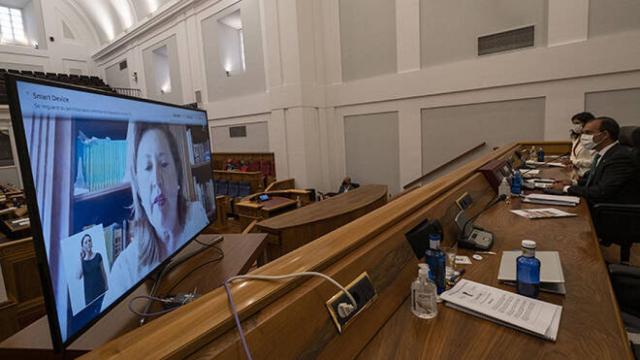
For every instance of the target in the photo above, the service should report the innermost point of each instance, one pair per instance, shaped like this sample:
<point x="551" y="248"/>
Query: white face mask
<point x="587" y="142"/>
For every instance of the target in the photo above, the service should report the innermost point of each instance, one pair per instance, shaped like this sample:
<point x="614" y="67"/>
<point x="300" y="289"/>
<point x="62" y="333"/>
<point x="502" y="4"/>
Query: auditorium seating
<point x="82" y="80"/>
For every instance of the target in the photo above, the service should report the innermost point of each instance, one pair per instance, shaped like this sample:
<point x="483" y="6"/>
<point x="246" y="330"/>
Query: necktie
<point x="592" y="171"/>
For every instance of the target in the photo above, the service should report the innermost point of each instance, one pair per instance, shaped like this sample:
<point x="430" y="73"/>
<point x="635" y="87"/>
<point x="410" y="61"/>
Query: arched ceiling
<point x="112" y="17"/>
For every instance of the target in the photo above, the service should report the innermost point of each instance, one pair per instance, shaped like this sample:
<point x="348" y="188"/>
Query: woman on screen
<point x="91" y="271"/>
<point x="163" y="219"/>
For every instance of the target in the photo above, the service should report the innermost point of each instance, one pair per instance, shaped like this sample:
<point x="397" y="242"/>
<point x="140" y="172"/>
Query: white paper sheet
<point x="530" y="315"/>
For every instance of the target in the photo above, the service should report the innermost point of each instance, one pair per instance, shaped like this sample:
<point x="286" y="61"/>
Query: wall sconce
<point x="35" y="44"/>
<point x="227" y="72"/>
<point x="227" y="69"/>
<point x="135" y="76"/>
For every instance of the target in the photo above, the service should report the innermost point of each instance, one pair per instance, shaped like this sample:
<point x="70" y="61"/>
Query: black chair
<point x="625" y="281"/>
<point x="620" y="223"/>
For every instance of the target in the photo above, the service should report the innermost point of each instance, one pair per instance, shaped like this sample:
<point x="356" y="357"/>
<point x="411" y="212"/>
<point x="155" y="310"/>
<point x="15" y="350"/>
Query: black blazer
<point x="616" y="179"/>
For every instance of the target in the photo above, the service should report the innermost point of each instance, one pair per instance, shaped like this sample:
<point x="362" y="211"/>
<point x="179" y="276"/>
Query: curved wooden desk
<point x="294" y="229"/>
<point x="284" y="320"/>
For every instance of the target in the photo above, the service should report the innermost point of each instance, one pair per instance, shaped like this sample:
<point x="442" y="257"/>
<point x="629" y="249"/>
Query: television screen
<point x="115" y="185"/>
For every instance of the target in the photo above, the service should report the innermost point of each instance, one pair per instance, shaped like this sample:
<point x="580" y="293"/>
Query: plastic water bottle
<point x="528" y="270"/>
<point x="540" y="154"/>
<point x="423" y="295"/>
<point x="436" y="260"/>
<point x="516" y="183"/>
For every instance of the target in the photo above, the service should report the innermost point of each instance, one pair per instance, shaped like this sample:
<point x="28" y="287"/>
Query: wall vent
<point x="237" y="131"/>
<point x="123" y="65"/>
<point x="506" y="40"/>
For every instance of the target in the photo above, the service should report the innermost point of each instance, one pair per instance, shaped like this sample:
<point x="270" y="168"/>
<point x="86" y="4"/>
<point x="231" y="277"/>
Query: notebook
<point x="551" y="275"/>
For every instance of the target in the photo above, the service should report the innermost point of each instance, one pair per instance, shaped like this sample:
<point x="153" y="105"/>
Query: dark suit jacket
<point x="616" y="179"/>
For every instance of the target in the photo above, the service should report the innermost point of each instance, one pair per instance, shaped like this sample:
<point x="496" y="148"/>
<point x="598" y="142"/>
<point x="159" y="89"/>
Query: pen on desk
<point x="486" y="252"/>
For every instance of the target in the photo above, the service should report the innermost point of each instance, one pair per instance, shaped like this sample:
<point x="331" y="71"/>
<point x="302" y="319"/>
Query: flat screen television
<point x="115" y="186"/>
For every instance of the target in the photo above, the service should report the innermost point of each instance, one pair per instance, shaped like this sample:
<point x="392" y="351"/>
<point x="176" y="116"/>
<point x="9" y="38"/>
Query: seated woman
<point x="163" y="219"/>
<point x="580" y="157"/>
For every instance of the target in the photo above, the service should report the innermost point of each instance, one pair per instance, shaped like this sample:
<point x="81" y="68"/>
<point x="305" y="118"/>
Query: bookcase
<point x="98" y="171"/>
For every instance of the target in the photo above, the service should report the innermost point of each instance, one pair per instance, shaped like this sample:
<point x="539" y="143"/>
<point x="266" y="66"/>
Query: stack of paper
<point x="560" y="200"/>
<point x="519" y="312"/>
<point x="538" y="163"/>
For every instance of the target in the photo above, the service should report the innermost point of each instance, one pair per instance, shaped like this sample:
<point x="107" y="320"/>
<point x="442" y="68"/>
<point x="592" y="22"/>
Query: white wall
<point x="449" y="30"/>
<point x="309" y="83"/>
<point x="115" y="77"/>
<point x="622" y="105"/>
<point x="372" y="151"/>
<point x="257" y="139"/>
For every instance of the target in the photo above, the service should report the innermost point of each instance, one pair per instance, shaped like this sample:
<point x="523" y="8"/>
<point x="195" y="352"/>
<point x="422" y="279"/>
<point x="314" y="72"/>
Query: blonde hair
<point x="151" y="249"/>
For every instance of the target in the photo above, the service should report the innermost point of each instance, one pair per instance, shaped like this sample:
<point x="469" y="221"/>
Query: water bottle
<point x="436" y="260"/>
<point x="516" y="183"/>
<point x="423" y="295"/>
<point x="540" y="154"/>
<point x="528" y="270"/>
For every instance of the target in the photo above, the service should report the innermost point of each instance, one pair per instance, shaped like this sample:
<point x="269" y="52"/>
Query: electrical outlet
<point x="363" y="293"/>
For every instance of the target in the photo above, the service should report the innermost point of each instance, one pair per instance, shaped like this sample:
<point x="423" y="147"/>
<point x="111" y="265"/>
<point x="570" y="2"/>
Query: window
<point x="11" y="25"/>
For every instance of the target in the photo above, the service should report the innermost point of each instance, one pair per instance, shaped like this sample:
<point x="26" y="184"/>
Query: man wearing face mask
<point x="580" y="157"/>
<point x="613" y="177"/>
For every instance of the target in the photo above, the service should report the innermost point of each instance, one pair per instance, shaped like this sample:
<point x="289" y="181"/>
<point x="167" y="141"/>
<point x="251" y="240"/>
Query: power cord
<point x="344" y="309"/>
<point x="151" y="297"/>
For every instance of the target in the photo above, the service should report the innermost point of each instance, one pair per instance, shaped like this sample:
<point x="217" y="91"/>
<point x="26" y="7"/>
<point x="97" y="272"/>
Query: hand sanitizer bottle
<point x="423" y="295"/>
<point x="528" y="270"/>
<point x="504" y="188"/>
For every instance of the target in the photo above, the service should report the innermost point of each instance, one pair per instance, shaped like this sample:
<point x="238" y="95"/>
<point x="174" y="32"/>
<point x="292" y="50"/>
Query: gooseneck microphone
<point x="496" y="200"/>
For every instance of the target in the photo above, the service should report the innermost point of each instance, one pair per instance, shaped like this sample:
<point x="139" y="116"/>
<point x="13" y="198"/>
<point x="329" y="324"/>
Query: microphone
<point x="546" y="162"/>
<point x="480" y="242"/>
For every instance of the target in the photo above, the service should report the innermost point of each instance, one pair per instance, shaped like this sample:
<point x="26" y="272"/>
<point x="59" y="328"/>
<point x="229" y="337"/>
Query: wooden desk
<point x="589" y="327"/>
<point x="295" y="309"/>
<point x="240" y="252"/>
<point x="296" y="228"/>
<point x="249" y="210"/>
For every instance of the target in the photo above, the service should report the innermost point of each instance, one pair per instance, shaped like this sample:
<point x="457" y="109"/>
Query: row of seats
<point x="83" y="80"/>
<point x="232" y="188"/>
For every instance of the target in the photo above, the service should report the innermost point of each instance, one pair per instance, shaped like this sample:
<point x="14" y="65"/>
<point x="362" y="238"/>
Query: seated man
<point x="347" y="185"/>
<point x="613" y="177"/>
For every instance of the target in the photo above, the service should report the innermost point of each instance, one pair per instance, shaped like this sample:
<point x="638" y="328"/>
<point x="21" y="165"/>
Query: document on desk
<point x="538" y="163"/>
<point x="559" y="200"/>
<point x="506" y="308"/>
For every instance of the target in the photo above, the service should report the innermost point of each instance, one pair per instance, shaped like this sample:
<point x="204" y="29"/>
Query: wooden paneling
<point x="182" y="332"/>
<point x="287" y="319"/>
<point x="281" y="185"/>
<point x="296" y="228"/>
<point x="22" y="281"/>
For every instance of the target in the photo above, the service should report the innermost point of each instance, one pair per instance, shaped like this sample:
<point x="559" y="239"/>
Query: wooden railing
<point x="424" y="176"/>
